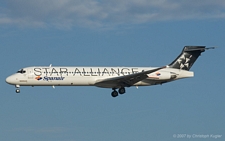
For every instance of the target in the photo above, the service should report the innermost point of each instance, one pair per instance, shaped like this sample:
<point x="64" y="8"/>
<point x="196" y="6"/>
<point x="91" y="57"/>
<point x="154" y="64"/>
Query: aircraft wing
<point x="126" y="80"/>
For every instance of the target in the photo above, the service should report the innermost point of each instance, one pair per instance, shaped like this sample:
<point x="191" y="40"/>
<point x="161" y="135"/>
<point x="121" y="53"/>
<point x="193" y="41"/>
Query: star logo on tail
<point x="184" y="61"/>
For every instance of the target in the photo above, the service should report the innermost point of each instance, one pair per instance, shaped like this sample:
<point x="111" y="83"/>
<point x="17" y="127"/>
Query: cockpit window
<point x="21" y="71"/>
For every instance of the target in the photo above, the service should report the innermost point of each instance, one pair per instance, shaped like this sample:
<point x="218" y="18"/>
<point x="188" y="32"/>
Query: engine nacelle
<point x="161" y="76"/>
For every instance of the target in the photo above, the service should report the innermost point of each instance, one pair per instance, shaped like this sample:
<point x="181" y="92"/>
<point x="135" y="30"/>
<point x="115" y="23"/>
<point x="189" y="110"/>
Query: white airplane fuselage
<point x="89" y="76"/>
<point x="108" y="77"/>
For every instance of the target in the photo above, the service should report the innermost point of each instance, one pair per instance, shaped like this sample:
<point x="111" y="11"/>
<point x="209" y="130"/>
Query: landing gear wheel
<point x="17" y="90"/>
<point x="114" y="93"/>
<point x="122" y="90"/>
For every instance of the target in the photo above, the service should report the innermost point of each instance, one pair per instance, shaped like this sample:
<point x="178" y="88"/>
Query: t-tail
<point x="188" y="57"/>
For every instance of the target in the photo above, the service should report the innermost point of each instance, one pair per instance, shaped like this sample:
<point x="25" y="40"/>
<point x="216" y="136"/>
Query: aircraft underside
<point x="117" y="89"/>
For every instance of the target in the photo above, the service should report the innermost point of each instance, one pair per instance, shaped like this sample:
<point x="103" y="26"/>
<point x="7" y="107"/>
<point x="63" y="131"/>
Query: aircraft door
<point x="30" y="74"/>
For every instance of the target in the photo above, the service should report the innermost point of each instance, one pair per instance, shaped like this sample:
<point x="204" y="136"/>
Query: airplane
<point x="108" y="77"/>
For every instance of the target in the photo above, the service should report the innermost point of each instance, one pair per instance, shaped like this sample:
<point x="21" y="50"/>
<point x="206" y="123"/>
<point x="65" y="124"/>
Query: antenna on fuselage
<point x="50" y="65"/>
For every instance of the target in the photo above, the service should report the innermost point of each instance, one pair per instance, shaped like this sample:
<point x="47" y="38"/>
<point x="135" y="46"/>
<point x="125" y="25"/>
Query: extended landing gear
<point x="115" y="93"/>
<point x="17" y="90"/>
<point x="122" y="90"/>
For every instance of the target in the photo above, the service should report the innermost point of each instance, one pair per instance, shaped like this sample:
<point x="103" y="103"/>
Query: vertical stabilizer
<point x="187" y="57"/>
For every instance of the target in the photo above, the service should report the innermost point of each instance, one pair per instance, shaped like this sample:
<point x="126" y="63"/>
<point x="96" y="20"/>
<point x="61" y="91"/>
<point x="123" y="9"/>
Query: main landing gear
<point x="115" y="93"/>
<point x="17" y="88"/>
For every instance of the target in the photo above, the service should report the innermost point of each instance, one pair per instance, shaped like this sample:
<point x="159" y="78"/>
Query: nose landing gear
<point x="17" y="88"/>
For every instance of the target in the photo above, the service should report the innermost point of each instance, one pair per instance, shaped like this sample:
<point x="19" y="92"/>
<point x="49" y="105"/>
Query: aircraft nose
<point x="10" y="80"/>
